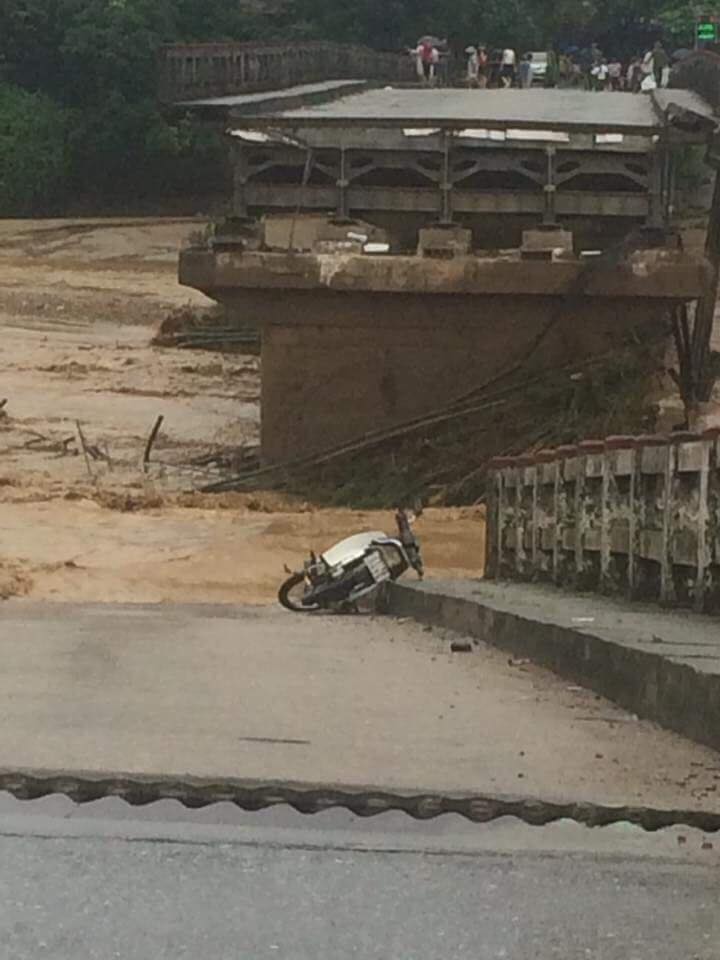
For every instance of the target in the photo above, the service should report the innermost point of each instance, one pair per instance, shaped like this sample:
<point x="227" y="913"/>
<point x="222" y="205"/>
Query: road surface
<point x="261" y="694"/>
<point x="224" y="884"/>
<point x="257" y="692"/>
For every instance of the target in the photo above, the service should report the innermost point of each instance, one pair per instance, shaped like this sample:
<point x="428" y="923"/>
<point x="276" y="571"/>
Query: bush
<point x="128" y="151"/>
<point x="34" y="162"/>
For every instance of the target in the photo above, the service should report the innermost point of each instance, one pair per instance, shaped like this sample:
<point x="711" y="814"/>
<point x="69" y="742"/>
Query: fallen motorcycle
<point x="354" y="568"/>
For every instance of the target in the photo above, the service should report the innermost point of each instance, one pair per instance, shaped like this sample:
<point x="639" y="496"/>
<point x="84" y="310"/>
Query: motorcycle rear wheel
<point x="291" y="598"/>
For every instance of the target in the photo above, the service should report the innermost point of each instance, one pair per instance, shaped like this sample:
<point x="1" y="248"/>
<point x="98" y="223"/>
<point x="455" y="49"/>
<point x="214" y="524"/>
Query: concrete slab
<point x="262" y="695"/>
<point x="658" y="663"/>
<point x="566" y="108"/>
<point x="279" y="98"/>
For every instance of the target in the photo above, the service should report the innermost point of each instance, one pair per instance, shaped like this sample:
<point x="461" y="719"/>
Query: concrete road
<point x="225" y="884"/>
<point x="262" y="694"/>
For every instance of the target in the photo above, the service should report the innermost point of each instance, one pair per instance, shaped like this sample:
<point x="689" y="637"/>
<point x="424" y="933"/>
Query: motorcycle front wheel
<point x="291" y="597"/>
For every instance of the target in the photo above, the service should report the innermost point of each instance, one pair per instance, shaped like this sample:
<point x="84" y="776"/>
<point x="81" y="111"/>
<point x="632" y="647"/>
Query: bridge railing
<point x="634" y="516"/>
<point x="197" y="71"/>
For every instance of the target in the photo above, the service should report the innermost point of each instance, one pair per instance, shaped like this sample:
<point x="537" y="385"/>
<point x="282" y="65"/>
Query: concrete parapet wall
<point x="632" y="516"/>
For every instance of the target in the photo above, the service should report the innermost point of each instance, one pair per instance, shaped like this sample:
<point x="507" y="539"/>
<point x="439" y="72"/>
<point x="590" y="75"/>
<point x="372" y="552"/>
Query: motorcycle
<point x="354" y="568"/>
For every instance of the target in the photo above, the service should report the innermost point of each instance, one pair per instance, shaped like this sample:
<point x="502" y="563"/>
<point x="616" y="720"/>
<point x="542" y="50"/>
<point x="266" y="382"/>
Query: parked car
<point x="539" y="65"/>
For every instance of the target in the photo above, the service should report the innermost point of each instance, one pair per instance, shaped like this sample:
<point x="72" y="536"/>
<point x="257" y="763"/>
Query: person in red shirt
<point x="482" y="67"/>
<point x="427" y="58"/>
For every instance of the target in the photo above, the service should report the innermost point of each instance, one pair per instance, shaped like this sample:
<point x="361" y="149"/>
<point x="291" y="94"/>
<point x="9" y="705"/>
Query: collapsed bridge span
<point x="396" y="246"/>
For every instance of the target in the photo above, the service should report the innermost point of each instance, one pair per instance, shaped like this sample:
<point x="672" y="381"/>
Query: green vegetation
<point x="34" y="160"/>
<point x="78" y="115"/>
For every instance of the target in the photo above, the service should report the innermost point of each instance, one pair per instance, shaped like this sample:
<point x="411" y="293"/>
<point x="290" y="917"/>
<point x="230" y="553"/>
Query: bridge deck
<point x="267" y="99"/>
<point x="564" y="109"/>
<point x="411" y="155"/>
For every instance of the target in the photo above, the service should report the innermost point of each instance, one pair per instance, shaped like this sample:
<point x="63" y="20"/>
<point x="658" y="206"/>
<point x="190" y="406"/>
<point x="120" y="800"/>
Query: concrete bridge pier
<point x="353" y="342"/>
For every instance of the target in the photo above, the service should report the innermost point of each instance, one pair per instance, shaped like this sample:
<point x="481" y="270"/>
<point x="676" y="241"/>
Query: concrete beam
<point x="651" y="274"/>
<point x="266" y="196"/>
<point x="373" y="136"/>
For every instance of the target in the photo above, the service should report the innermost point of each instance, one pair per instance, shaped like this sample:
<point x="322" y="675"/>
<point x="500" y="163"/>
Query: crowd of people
<point x="592" y="70"/>
<point x="587" y="69"/>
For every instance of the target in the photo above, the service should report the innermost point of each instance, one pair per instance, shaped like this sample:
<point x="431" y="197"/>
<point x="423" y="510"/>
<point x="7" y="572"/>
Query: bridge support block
<point x="352" y="342"/>
<point x="444" y="241"/>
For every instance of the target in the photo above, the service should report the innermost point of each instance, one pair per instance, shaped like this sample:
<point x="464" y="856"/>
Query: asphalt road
<point x="274" y="887"/>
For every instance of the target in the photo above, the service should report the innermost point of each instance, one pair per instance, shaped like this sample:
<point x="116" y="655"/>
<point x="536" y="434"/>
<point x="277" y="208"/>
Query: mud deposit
<point x="79" y="303"/>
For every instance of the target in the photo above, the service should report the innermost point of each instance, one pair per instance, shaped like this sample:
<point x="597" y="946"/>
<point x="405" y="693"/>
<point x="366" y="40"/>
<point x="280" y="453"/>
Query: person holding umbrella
<point x="428" y="56"/>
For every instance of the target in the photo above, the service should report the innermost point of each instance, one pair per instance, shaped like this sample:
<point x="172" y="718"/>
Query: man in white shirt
<point x="600" y="74"/>
<point x="507" y="67"/>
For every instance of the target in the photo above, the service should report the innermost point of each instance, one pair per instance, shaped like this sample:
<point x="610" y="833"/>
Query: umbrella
<point x="435" y="41"/>
<point x="681" y="54"/>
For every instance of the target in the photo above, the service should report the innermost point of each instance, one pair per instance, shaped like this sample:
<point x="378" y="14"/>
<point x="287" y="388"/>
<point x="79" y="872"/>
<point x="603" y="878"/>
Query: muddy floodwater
<point x="79" y="303"/>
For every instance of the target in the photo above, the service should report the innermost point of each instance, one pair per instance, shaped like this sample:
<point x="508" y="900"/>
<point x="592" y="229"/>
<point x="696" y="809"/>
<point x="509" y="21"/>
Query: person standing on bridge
<point x="473" y="66"/>
<point x="600" y="74"/>
<point x="615" y="75"/>
<point x="483" y="66"/>
<point x="634" y="75"/>
<point x="424" y="60"/>
<point x="526" y="72"/>
<point x="427" y="57"/>
<point x="660" y="65"/>
<point x="507" y="67"/>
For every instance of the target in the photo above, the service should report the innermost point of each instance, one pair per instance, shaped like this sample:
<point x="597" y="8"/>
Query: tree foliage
<point x="34" y="161"/>
<point x="90" y="68"/>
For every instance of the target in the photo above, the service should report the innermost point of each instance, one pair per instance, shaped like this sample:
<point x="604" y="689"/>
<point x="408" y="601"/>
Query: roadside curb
<point x="676" y="694"/>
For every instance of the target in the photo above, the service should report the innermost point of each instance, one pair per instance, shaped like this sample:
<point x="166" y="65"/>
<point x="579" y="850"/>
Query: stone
<point x="461" y="645"/>
<point x="546" y="244"/>
<point x="445" y="242"/>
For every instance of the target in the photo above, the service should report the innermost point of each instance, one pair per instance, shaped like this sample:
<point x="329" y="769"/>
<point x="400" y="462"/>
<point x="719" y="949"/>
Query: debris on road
<point x="461" y="645"/>
<point x="150" y="442"/>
